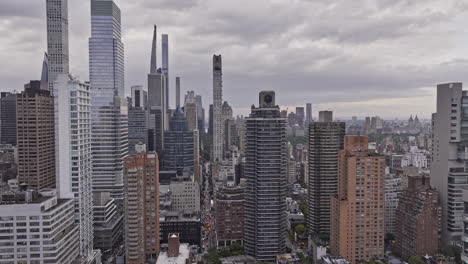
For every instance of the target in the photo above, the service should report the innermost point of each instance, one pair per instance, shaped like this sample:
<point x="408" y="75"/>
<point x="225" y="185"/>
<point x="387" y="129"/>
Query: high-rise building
<point x="393" y="188"/>
<point x="357" y="215"/>
<point x="141" y="206"/>
<point x="229" y="211"/>
<point x="8" y="118"/>
<point x="38" y="229"/>
<point x="226" y="111"/>
<point x="108" y="224"/>
<point x="217" y="154"/>
<point x="418" y="219"/>
<point x="325" y="116"/>
<point x="200" y="114"/>
<point x="464" y="255"/>
<point x="73" y="154"/>
<point x="325" y="141"/>
<point x="190" y="110"/>
<point x="179" y="145"/>
<point x="449" y="146"/>
<point x="156" y="103"/>
<point x="231" y="134"/>
<point x="210" y="120"/>
<point x="36" y="137"/>
<point x="177" y="92"/>
<point x="308" y="113"/>
<point x="57" y="39"/>
<point x="265" y="173"/>
<point x="300" y="116"/>
<point x="109" y="109"/>
<point x="137" y="118"/>
<point x="165" y="65"/>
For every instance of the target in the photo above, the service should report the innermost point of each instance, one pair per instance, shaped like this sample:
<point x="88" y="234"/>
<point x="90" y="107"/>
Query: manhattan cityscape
<point x="218" y="132"/>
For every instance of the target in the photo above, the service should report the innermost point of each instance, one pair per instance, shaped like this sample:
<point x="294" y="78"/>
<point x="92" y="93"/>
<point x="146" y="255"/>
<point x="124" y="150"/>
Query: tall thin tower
<point x="326" y="139"/>
<point x="265" y="173"/>
<point x="108" y="103"/>
<point x="217" y="108"/>
<point x="57" y="39"/>
<point x="156" y="103"/>
<point x="165" y="64"/>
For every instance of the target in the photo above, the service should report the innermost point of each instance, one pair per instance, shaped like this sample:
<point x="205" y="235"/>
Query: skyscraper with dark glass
<point x="109" y="111"/>
<point x="8" y="118"/>
<point x="326" y="139"/>
<point x="265" y="173"/>
<point x="165" y="64"/>
<point x="137" y="118"/>
<point x="179" y="144"/>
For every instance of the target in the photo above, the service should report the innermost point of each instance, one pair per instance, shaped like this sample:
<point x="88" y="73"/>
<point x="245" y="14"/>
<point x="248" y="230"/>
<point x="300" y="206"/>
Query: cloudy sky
<point x="359" y="57"/>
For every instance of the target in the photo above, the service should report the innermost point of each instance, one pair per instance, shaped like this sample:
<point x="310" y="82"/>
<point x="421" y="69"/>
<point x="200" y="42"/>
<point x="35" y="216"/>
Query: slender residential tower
<point x="165" y="64"/>
<point x="108" y="103"/>
<point x="142" y="206"/>
<point x="325" y="141"/>
<point x="265" y="173"/>
<point x="156" y="103"/>
<point x="177" y="92"/>
<point x="73" y="154"/>
<point x="57" y="38"/>
<point x="217" y="154"/>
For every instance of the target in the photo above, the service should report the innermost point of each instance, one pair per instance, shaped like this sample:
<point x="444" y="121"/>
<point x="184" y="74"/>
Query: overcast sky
<point x="359" y="57"/>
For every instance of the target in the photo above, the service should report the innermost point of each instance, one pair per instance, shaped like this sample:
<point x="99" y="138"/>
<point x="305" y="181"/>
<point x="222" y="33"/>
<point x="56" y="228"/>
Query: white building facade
<point x="42" y="231"/>
<point x="73" y="153"/>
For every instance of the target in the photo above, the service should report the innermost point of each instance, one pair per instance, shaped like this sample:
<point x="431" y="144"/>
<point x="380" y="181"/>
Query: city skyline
<point x="403" y="77"/>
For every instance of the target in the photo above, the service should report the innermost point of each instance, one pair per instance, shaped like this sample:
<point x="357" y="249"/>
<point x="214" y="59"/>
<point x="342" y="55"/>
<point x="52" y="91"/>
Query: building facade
<point x="109" y="109"/>
<point x="229" y="210"/>
<point x="73" y="153"/>
<point x="57" y="39"/>
<point x="418" y="219"/>
<point x="185" y="196"/>
<point x="165" y="65"/>
<point x="393" y="189"/>
<point x="137" y="118"/>
<point x="448" y="171"/>
<point x="29" y="232"/>
<point x="265" y="173"/>
<point x="35" y="137"/>
<point x="325" y="141"/>
<point x="217" y="153"/>
<point x="357" y="215"/>
<point x="141" y="206"/>
<point x="179" y="145"/>
<point x="8" y="118"/>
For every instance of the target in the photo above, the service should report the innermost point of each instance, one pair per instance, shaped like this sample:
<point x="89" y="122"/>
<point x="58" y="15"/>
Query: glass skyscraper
<point x="109" y="106"/>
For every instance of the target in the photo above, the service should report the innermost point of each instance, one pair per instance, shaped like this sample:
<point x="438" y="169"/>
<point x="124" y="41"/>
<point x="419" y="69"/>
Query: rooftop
<point x="184" y="254"/>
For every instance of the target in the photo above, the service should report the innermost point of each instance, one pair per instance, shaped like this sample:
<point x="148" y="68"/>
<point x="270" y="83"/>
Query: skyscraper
<point x="137" y="118"/>
<point x="36" y="137"/>
<point x="73" y="154"/>
<point x="200" y="114"/>
<point x="300" y="115"/>
<point x="109" y="110"/>
<point x="179" y="145"/>
<point x="357" y="212"/>
<point x="325" y="141"/>
<point x="217" y="154"/>
<point x="142" y="206"/>
<point x="308" y="113"/>
<point x="418" y="219"/>
<point x="448" y="169"/>
<point x="210" y="120"/>
<point x="177" y="92"/>
<point x="165" y="65"/>
<point x="8" y="118"/>
<point x="57" y="39"/>
<point x="265" y="173"/>
<point x="156" y="103"/>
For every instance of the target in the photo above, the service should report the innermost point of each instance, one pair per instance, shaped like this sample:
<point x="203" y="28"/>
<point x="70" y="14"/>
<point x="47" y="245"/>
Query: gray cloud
<point x="331" y="53"/>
